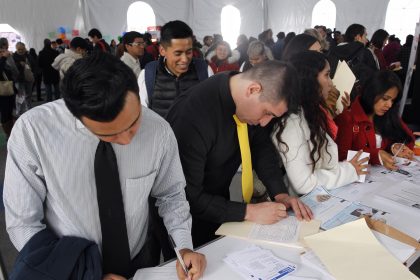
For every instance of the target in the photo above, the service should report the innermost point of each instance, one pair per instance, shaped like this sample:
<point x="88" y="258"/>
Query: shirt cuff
<point x="183" y="239"/>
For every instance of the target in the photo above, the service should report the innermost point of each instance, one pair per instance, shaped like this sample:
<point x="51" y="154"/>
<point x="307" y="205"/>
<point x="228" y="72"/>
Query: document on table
<point x="310" y="259"/>
<point x="167" y="272"/>
<point x="404" y="193"/>
<point x="351" y="154"/>
<point x="333" y="211"/>
<point x="256" y="263"/>
<point x="343" y="80"/>
<point x="287" y="232"/>
<point x="351" y="251"/>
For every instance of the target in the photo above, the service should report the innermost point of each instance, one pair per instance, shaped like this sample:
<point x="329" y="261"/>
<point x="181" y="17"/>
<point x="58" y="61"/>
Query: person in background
<point x="99" y="44"/>
<point x="61" y="47"/>
<point x="289" y="36"/>
<point x="373" y="124"/>
<point x="305" y="137"/>
<point x="219" y="62"/>
<point x="301" y="43"/>
<point x="113" y="47"/>
<point x="321" y="36"/>
<point x="404" y="56"/>
<point x="50" y="76"/>
<point x="391" y="50"/>
<point x="242" y="48"/>
<point x="78" y="49"/>
<point x="377" y="42"/>
<point x="134" y="49"/>
<point x="37" y="74"/>
<point x="25" y="78"/>
<point x="257" y="53"/>
<point x="152" y="48"/>
<point x="176" y="70"/>
<point x="8" y="71"/>
<point x="278" y="45"/>
<point x="207" y="42"/>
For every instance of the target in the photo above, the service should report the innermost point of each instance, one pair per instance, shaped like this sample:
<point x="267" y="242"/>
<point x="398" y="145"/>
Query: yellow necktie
<point x="247" y="180"/>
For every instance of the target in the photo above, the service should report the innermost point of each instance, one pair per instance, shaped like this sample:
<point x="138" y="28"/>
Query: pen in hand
<point x="178" y="255"/>
<point x="398" y="151"/>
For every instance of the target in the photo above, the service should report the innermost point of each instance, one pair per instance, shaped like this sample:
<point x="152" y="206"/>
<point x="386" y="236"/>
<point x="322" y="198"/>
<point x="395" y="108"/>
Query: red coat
<point x="356" y="132"/>
<point x="225" y="66"/>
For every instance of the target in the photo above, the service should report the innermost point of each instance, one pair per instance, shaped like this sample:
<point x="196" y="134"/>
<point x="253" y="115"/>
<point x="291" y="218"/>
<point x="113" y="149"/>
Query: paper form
<point x="404" y="193"/>
<point x="256" y="263"/>
<point x="351" y="251"/>
<point x="287" y="230"/>
<point x="351" y="154"/>
<point x="333" y="211"/>
<point x="167" y="272"/>
<point x="343" y="80"/>
<point x="312" y="260"/>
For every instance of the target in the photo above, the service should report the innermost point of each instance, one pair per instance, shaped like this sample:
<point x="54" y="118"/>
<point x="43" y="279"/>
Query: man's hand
<point x="113" y="277"/>
<point x="196" y="264"/>
<point x="301" y="210"/>
<point x="265" y="213"/>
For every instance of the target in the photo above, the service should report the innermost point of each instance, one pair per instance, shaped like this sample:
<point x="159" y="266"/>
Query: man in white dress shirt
<point x="51" y="179"/>
<point x="133" y="49"/>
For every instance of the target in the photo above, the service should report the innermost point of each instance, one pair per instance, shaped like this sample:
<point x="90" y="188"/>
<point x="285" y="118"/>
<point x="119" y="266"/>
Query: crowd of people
<point x="147" y="138"/>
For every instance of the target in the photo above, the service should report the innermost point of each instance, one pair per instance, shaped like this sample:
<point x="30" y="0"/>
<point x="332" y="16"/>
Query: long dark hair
<point x="388" y="125"/>
<point x="308" y="65"/>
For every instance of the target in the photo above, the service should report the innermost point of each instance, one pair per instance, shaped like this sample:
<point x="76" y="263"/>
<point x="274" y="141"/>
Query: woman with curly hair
<point x="304" y="137"/>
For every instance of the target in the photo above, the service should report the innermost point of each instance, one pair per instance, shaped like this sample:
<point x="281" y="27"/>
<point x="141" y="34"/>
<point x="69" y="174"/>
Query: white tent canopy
<point x="36" y="20"/>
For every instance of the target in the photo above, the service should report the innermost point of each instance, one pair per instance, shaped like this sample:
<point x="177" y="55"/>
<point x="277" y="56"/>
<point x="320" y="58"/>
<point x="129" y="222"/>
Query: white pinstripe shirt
<point x="50" y="178"/>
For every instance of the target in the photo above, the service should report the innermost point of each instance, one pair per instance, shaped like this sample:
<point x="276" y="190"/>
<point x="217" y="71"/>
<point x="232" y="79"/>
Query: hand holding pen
<point x="190" y="265"/>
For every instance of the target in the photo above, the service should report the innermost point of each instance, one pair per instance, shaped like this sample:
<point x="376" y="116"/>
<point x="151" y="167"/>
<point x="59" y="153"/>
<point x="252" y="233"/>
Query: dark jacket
<point x="45" y="59"/>
<point x="357" y="57"/>
<point x="46" y="257"/>
<point x="163" y="87"/>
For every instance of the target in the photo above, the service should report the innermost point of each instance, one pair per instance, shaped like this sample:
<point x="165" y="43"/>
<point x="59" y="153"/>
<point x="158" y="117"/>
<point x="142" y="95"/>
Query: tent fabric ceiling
<point x="36" y="19"/>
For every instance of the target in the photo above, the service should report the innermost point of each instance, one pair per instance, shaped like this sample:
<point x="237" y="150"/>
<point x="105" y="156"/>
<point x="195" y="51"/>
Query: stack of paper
<point x="343" y="80"/>
<point x="256" y="263"/>
<point x="288" y="232"/>
<point x="351" y="251"/>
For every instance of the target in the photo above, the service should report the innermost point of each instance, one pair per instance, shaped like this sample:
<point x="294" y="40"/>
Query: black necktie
<point x="115" y="247"/>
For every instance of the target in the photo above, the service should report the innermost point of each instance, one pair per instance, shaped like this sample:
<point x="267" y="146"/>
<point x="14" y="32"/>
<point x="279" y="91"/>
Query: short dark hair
<point x="174" y="30"/>
<point x="129" y="37"/>
<point x="353" y="30"/>
<point x="281" y="35"/>
<point x="278" y="79"/>
<point x="59" y="41"/>
<point x="95" y="33"/>
<point x="96" y="87"/>
<point x="378" y="38"/>
<point x="299" y="43"/>
<point x="78" y="42"/>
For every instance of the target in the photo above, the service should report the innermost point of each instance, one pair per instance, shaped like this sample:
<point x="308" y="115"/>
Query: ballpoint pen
<point x="178" y="255"/>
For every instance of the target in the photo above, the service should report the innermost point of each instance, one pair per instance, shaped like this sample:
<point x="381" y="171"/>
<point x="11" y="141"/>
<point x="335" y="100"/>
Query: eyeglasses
<point x="135" y="44"/>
